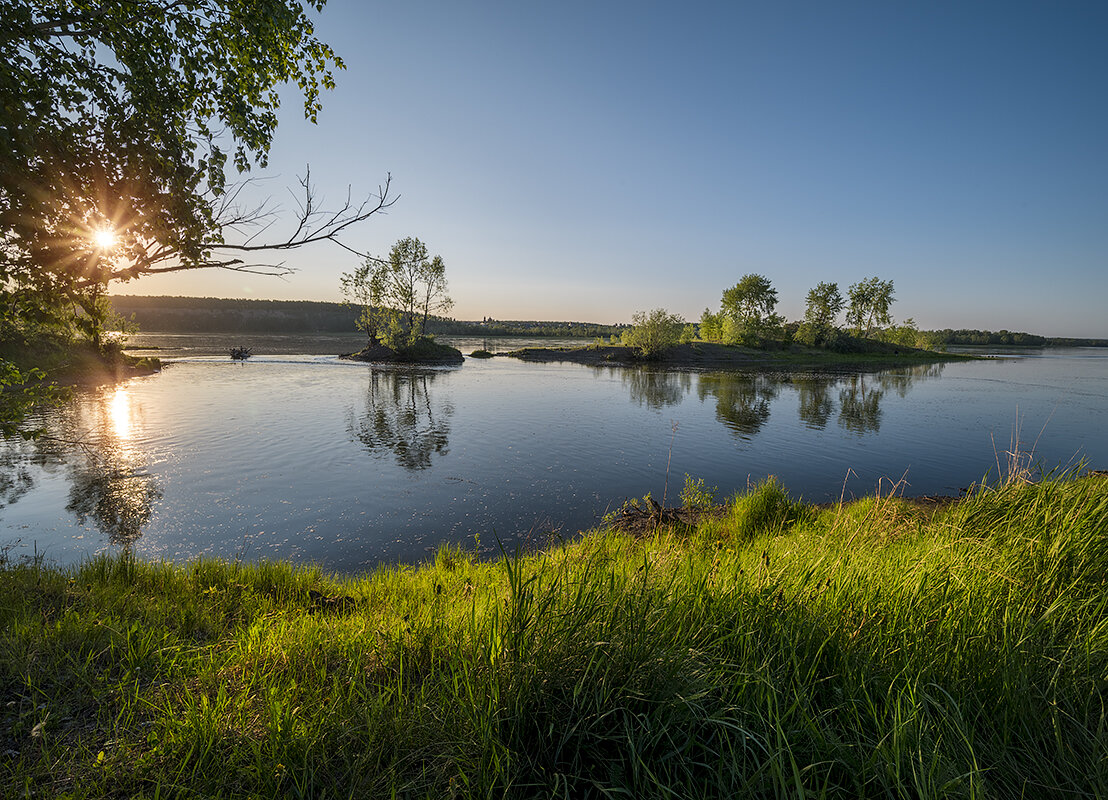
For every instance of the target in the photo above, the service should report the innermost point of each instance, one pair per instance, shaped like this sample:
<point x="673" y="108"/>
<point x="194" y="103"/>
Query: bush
<point x="814" y="334"/>
<point x="653" y="332"/>
<point x="696" y="494"/>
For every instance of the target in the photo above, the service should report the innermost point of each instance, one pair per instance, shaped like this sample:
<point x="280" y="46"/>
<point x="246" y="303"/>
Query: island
<point x="713" y="356"/>
<point x="423" y="351"/>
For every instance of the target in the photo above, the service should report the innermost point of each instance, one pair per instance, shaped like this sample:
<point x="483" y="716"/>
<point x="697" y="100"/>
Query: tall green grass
<point x="876" y="649"/>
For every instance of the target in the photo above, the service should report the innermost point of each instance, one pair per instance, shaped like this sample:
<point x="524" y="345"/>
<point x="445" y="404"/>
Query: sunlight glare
<point x="121" y="413"/>
<point x="104" y="238"/>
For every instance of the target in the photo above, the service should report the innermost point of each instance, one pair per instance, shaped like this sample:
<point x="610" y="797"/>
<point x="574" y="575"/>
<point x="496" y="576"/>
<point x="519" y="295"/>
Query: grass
<point x="877" y="649"/>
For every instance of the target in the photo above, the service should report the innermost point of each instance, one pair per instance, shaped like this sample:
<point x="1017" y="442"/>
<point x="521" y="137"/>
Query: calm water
<point x="306" y="457"/>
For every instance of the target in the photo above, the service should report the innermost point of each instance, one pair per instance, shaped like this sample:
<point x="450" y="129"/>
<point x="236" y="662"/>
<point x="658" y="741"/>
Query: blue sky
<point x="586" y="160"/>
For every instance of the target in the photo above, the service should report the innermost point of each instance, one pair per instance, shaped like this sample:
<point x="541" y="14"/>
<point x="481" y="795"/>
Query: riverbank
<point x="78" y="363"/>
<point x="713" y="356"/>
<point x="873" y="649"/>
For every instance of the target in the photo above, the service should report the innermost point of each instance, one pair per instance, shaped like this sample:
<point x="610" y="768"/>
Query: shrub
<point x="653" y="331"/>
<point x="696" y="494"/>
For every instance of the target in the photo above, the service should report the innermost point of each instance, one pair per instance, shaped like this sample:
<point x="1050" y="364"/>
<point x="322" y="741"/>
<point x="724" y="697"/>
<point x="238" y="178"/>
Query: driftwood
<point x="641" y="518"/>
<point x="241" y="353"/>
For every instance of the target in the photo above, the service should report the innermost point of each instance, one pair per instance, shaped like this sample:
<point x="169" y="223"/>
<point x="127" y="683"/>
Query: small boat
<point x="241" y="353"/>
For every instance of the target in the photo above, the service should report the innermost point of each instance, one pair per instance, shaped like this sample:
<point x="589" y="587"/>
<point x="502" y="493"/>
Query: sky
<point x="586" y="160"/>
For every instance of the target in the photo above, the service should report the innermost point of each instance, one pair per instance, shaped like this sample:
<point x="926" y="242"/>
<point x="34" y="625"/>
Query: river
<point x="295" y="454"/>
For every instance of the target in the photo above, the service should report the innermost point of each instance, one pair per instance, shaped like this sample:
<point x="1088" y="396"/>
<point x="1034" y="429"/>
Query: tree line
<point x="232" y="315"/>
<point x="747" y="316"/>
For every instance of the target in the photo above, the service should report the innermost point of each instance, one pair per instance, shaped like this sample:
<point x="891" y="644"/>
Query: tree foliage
<point x="748" y="310"/>
<point x="122" y="115"/>
<point x="825" y="301"/>
<point x="711" y="326"/>
<point x="870" y="301"/>
<point x="117" y="122"/>
<point x="654" y="331"/>
<point x="399" y="294"/>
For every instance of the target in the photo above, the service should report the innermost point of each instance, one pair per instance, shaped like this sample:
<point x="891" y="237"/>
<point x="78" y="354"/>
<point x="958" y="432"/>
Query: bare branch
<point x="317" y="226"/>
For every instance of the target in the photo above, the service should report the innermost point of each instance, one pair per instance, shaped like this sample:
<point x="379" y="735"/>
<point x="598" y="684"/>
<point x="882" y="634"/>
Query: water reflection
<point x="742" y="400"/>
<point x="402" y="417"/>
<point x="119" y="407"/>
<point x="900" y="380"/>
<point x="815" y="404"/>
<point x="109" y="484"/>
<point x="860" y="405"/>
<point x="656" y="389"/>
<point x="16" y="478"/>
<point x="115" y="496"/>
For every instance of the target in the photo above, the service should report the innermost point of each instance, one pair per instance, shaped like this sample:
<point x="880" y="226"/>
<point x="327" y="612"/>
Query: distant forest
<point x="215" y="315"/>
<point x="1011" y="338"/>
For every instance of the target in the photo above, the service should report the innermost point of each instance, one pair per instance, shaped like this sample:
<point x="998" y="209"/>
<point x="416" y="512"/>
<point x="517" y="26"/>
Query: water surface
<point x="307" y="457"/>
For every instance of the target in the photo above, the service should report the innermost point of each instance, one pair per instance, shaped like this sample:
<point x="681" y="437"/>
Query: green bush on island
<point x="653" y="332"/>
<point x="879" y="648"/>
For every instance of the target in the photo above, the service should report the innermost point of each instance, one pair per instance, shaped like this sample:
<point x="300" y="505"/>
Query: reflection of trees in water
<point x="902" y="379"/>
<point x="742" y="401"/>
<point x="815" y="406"/>
<point x="109" y="484"/>
<point x="860" y="405"/>
<point x="16" y="457"/>
<point x="861" y="394"/>
<point x="90" y="436"/>
<point x="117" y="498"/>
<point x="402" y="418"/>
<point x="656" y="389"/>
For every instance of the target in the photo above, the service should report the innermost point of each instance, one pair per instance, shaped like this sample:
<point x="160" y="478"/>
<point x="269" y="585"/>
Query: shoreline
<point x="709" y="659"/>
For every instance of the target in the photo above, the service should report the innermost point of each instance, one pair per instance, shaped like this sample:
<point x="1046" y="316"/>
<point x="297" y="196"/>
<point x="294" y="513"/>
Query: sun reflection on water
<point x="120" y="409"/>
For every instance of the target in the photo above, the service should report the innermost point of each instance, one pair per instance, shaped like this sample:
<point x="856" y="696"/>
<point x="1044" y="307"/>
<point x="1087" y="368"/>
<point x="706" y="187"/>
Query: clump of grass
<point x="872" y="649"/>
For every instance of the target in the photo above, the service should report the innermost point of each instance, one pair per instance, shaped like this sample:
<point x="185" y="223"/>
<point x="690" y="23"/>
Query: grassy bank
<point x="880" y="649"/>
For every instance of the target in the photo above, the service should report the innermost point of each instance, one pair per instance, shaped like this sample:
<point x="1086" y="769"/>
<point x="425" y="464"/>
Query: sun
<point x="104" y="238"/>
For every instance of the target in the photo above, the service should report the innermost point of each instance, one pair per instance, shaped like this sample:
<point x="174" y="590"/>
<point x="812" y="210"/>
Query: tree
<point x="749" y="306"/>
<point x="825" y="302"/>
<point x="711" y="326"/>
<point x="358" y="293"/>
<point x="653" y="332"/>
<point x="869" y="305"/>
<point x="118" y="121"/>
<point x="399" y="294"/>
